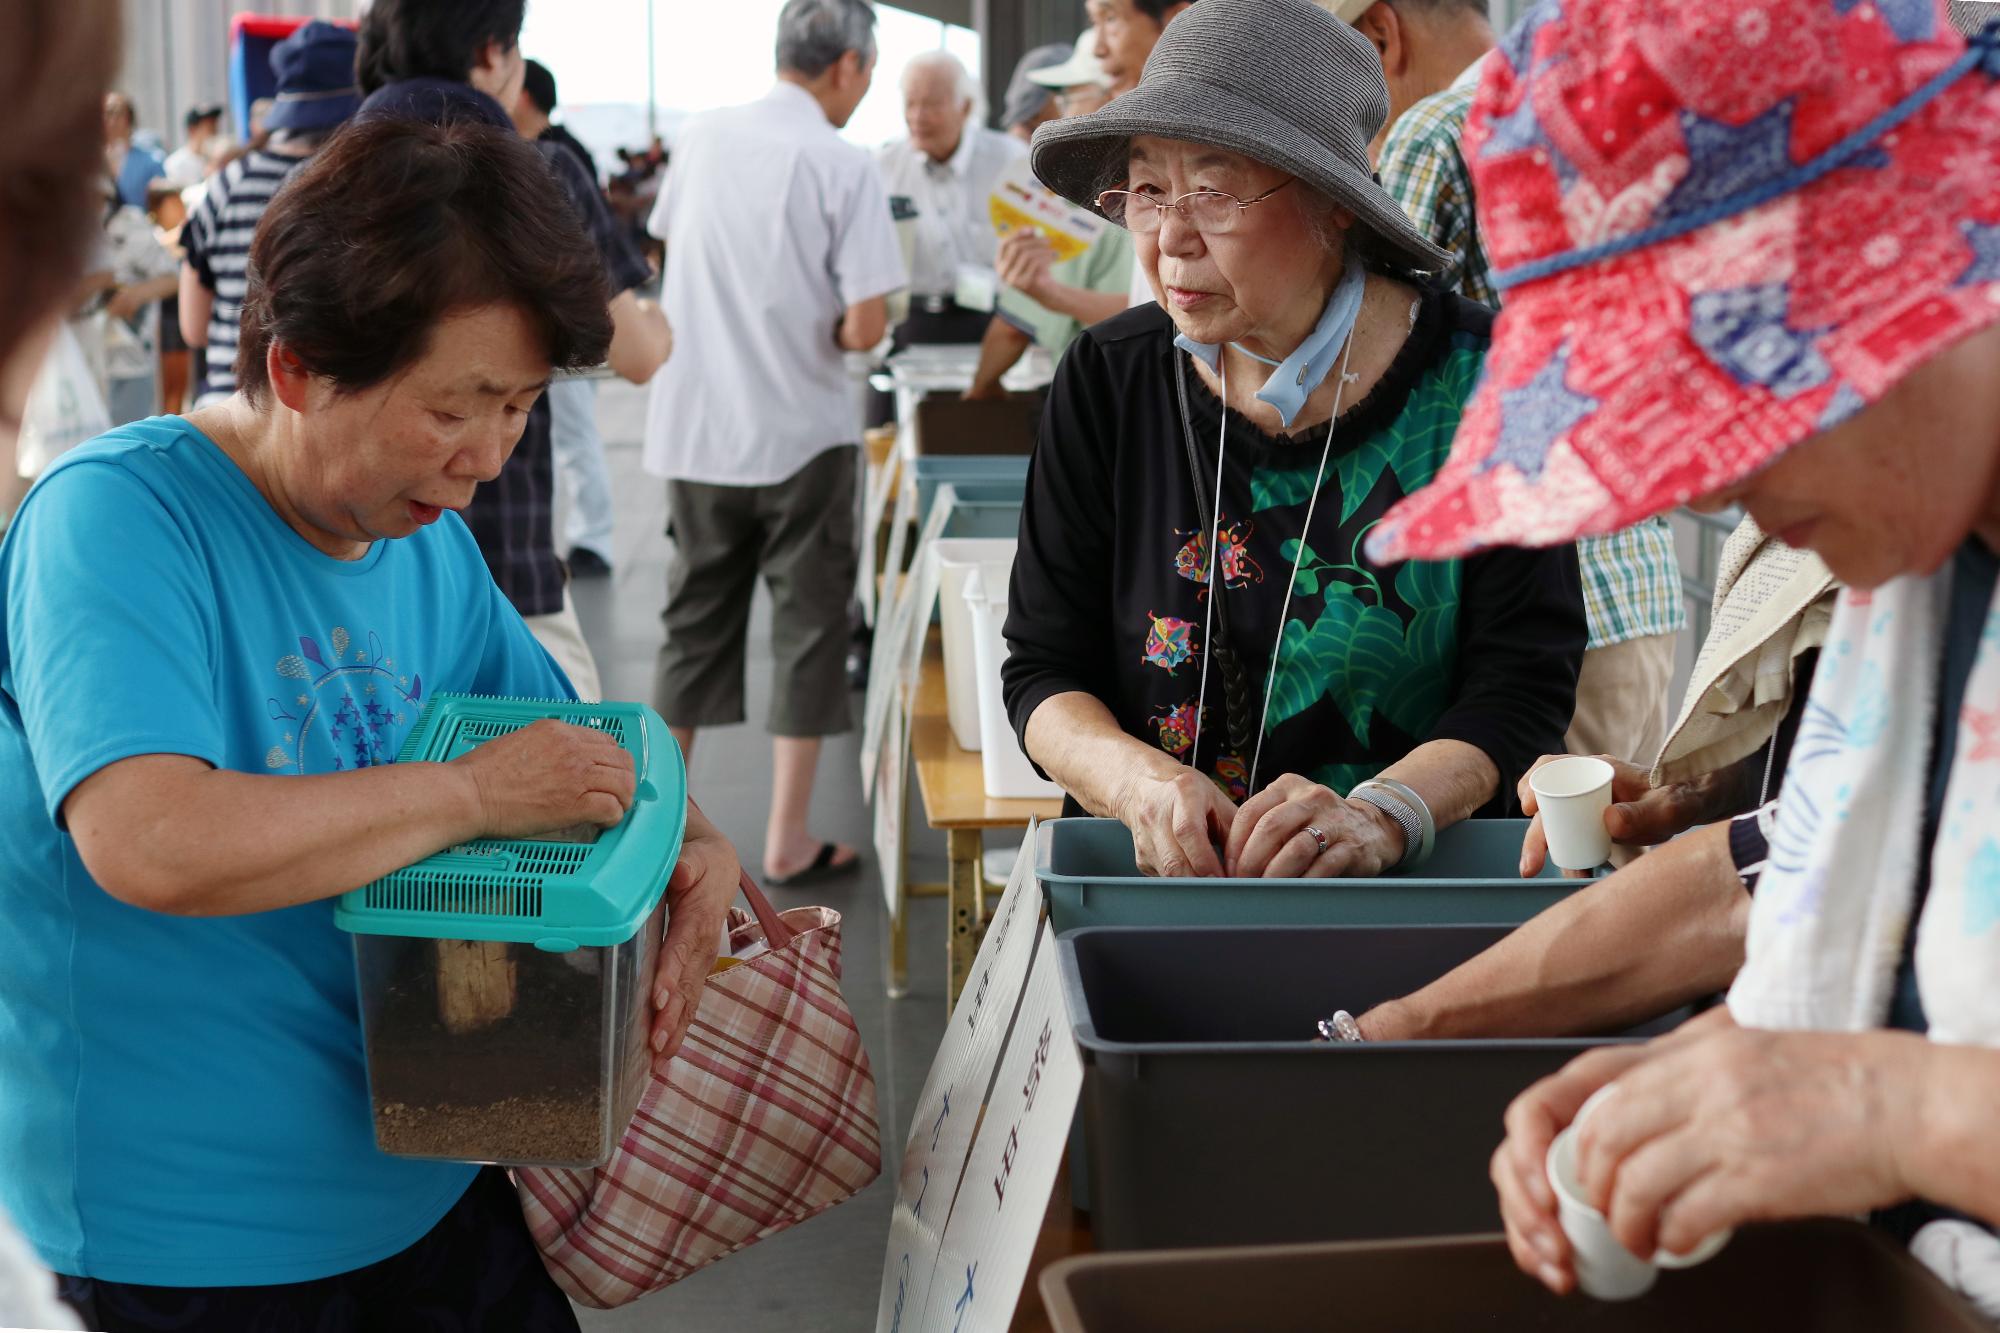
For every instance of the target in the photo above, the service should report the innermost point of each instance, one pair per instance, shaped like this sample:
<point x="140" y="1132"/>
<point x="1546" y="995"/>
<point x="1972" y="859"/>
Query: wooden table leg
<point x="963" y="848"/>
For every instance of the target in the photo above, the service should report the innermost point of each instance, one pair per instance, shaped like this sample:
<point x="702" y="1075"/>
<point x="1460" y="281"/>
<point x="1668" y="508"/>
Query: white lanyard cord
<point x="1285" y="608"/>
<point x="1214" y="559"/>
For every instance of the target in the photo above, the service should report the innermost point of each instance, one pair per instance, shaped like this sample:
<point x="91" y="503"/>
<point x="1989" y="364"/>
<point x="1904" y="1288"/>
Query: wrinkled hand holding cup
<point x="1573" y="794"/>
<point x="1604" y="1267"/>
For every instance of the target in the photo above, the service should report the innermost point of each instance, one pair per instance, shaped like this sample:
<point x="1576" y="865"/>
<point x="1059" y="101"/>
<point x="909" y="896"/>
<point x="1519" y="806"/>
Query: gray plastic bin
<point x="969" y="472"/>
<point x="1824" y="1276"/>
<point x="1211" y="1116"/>
<point x="988" y="512"/>
<point x="1091" y="877"/>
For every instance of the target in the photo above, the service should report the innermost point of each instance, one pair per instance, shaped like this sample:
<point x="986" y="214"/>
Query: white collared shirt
<point x="953" y="223"/>
<point x="774" y="225"/>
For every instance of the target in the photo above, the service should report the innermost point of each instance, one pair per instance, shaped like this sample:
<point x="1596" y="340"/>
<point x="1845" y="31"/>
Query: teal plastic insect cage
<point x="505" y="984"/>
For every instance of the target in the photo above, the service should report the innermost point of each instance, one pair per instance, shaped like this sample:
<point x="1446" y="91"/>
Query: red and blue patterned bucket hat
<point x="1721" y="227"/>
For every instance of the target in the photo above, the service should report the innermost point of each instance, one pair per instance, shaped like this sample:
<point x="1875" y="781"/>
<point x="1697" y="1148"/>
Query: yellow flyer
<point x="1019" y="200"/>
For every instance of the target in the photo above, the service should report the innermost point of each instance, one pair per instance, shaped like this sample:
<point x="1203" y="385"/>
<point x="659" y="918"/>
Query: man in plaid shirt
<point x="1431" y="53"/>
<point x="426" y="61"/>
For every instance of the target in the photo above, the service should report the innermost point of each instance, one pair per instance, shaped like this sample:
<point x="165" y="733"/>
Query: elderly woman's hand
<point x="1739" y="1125"/>
<point x="1711" y="1127"/>
<point x="1519" y="1170"/>
<point x="1177" y="819"/>
<point x="547" y="776"/>
<point x="1272" y="835"/>
<point x="703" y="885"/>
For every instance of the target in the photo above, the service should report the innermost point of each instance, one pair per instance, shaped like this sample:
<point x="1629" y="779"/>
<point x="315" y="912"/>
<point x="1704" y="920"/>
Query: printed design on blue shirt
<point x="348" y="711"/>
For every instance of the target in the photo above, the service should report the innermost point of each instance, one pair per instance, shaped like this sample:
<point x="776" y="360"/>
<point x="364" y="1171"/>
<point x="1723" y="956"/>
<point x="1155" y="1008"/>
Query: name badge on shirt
<point x="902" y="208"/>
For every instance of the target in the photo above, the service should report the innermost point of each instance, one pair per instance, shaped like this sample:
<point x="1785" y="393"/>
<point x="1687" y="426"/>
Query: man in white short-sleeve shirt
<point x="780" y="252"/>
<point x="939" y="179"/>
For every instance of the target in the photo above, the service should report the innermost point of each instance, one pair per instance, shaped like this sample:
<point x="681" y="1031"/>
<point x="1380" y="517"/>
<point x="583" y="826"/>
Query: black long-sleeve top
<point x="1108" y="595"/>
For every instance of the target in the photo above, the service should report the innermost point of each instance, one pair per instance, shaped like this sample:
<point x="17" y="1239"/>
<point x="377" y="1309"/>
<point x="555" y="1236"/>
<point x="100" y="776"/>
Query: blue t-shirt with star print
<point x="183" y="1101"/>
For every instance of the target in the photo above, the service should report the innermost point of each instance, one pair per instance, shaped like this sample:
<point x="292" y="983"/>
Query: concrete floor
<point x="822" y="1277"/>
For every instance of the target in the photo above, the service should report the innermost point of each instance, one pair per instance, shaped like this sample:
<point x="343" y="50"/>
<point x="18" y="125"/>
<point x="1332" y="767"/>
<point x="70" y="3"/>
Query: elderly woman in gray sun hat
<point x="1199" y="646"/>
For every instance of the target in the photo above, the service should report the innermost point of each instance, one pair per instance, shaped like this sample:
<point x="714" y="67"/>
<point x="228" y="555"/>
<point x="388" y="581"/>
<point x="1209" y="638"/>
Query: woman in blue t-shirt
<point x="218" y="631"/>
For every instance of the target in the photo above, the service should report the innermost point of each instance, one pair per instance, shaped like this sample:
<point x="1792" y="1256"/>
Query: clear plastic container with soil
<point x="506" y="984"/>
<point x="490" y="1051"/>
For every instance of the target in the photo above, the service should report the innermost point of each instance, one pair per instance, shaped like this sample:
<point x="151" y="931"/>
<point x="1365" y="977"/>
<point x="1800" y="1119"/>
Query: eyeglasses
<point x="1210" y="212"/>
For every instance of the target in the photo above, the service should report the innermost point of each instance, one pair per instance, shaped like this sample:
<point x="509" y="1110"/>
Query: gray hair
<point x="1319" y="210"/>
<point x="814" y="34"/>
<point x="962" y="82"/>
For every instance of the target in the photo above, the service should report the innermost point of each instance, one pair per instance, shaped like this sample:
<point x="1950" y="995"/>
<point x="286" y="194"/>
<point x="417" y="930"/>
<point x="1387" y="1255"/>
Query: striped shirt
<point x="1631" y="579"/>
<point x="217" y="239"/>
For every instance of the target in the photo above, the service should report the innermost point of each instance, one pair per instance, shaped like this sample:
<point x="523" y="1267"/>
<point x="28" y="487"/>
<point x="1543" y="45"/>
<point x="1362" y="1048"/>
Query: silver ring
<point x="1319" y="838"/>
<point x="1340" y="1028"/>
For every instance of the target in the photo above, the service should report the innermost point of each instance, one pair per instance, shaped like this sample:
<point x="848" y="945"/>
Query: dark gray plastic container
<point x="1091" y="877"/>
<point x="1827" y="1276"/>
<point x="1211" y="1116"/>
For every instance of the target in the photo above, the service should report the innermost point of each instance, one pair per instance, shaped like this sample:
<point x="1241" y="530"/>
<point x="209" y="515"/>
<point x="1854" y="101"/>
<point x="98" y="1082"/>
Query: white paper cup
<point x="1573" y="793"/>
<point x="1604" y="1267"/>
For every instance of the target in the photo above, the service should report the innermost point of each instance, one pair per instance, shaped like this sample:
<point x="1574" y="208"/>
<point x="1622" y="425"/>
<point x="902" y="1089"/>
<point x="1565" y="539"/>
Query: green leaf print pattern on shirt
<point x="1359" y="652"/>
<point x="1421" y="687"/>
<point x="1363" y="655"/>
<point x="1353" y="645"/>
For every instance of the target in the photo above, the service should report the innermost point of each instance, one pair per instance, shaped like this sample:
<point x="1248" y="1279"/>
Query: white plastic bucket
<point x="1008" y="773"/>
<point x="957" y="557"/>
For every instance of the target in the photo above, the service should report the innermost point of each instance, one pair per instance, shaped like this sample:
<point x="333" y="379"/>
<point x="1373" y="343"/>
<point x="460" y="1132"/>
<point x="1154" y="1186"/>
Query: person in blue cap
<point x="316" y="92"/>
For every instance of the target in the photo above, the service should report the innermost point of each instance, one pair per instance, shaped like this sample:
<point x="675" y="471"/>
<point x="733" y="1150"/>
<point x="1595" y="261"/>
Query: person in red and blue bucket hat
<point x="1751" y="255"/>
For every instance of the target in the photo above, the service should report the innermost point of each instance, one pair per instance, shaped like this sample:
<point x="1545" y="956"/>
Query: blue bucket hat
<point x="315" y="72"/>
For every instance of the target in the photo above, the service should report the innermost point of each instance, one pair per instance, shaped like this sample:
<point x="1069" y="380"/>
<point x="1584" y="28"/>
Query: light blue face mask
<point x="1298" y="375"/>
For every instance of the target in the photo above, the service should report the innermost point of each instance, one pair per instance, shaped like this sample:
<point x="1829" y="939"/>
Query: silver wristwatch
<point x="1407" y="808"/>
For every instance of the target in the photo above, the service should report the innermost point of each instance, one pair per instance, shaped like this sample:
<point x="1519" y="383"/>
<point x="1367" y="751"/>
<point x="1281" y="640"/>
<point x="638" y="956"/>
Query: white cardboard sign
<point x="890" y="627"/>
<point x="925" y="574"/>
<point x="948" y="1109"/>
<point x="997" y="1218"/>
<point x="875" y="507"/>
<point x="892" y="793"/>
<point x="898" y="657"/>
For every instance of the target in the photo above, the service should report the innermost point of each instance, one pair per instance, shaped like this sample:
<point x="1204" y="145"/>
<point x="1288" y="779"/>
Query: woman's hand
<point x="1024" y="261"/>
<point x="703" y="885"/>
<point x="1270" y="838"/>
<point x="547" y="776"/>
<point x="1519" y="1168"/>
<point x="1742" y="1125"/>
<point x="1177" y="819"/>
<point x="1711" y="1127"/>
<point x="1640" y="814"/>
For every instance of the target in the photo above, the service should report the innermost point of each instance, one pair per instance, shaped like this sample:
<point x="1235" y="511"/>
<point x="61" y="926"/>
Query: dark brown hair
<point x="57" y="58"/>
<point x="431" y="39"/>
<point x="396" y="224"/>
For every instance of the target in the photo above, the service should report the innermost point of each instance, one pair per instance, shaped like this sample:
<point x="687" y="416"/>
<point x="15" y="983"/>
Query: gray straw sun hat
<point x="1280" y="81"/>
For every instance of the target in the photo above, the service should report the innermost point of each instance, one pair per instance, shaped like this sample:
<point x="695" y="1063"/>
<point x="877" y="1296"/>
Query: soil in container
<point x="526" y="1087"/>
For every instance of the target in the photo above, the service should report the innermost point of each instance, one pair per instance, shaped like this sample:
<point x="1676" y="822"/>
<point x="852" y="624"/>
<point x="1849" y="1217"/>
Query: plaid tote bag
<point x="765" y="1118"/>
